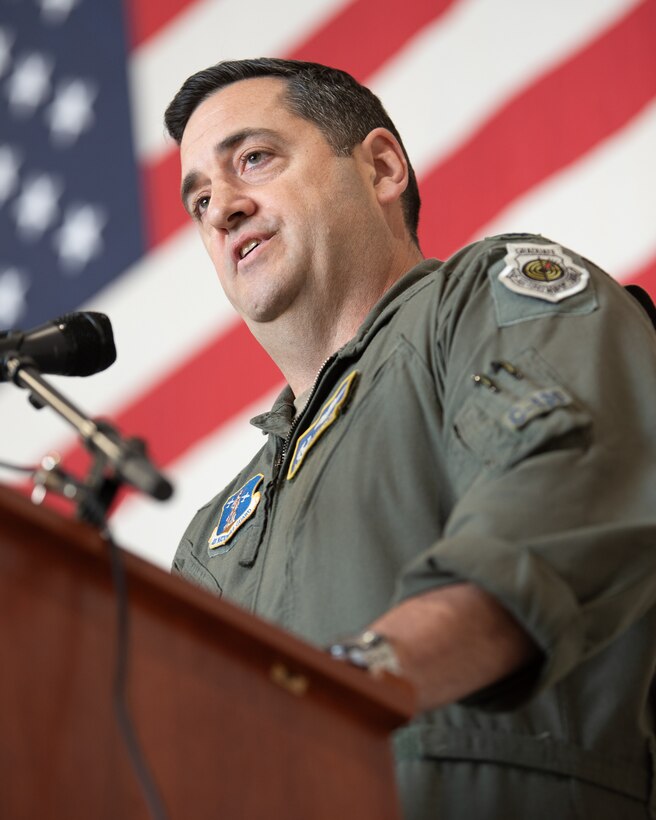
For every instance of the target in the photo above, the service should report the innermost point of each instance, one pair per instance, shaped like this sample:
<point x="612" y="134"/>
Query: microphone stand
<point x="115" y="459"/>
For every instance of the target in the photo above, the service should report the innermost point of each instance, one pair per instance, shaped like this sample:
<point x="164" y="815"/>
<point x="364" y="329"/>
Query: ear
<point x="388" y="165"/>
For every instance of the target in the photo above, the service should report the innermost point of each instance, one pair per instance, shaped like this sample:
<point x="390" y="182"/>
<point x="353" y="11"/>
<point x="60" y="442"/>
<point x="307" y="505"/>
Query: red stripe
<point x="542" y="130"/>
<point x="146" y="17"/>
<point x="163" y="211"/>
<point x="359" y="40"/>
<point x="363" y="36"/>
<point x="191" y="402"/>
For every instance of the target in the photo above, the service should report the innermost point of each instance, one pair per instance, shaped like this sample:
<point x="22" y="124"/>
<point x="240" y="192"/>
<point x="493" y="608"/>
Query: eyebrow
<point x="222" y="147"/>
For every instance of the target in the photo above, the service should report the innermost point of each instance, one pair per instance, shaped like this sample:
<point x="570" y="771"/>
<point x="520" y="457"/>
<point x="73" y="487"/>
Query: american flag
<point x="536" y="116"/>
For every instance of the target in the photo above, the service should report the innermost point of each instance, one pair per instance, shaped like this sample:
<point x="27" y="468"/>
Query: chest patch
<point x="542" y="271"/>
<point x="235" y="512"/>
<point x="329" y="413"/>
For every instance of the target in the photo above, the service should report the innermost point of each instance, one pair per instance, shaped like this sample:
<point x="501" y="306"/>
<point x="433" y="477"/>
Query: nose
<point x="230" y="203"/>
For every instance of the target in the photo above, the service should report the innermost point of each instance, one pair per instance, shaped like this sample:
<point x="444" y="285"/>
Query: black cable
<point x="144" y="777"/>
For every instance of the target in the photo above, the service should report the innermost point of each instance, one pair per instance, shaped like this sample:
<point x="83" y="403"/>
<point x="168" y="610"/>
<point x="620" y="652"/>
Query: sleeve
<point x="550" y="438"/>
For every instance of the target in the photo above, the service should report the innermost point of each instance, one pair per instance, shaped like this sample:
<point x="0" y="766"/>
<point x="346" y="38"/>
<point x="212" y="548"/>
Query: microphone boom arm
<point x="126" y="458"/>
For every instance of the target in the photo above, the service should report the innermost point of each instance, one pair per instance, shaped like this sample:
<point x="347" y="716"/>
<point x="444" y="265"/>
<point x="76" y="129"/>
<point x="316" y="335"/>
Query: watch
<point x="369" y="650"/>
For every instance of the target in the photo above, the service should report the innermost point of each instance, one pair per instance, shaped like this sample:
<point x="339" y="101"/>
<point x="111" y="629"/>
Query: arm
<point x="453" y="641"/>
<point x="553" y="481"/>
<point x="552" y="475"/>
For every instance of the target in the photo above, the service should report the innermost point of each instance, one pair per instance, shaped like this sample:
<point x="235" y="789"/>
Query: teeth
<point x="248" y="247"/>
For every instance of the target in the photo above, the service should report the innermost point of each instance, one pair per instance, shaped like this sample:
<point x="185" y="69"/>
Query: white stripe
<point x="603" y="206"/>
<point x="210" y="31"/>
<point x="152" y="529"/>
<point x="458" y="71"/>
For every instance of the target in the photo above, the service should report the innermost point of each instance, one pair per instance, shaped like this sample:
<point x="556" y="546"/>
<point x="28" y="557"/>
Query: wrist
<point x="368" y="650"/>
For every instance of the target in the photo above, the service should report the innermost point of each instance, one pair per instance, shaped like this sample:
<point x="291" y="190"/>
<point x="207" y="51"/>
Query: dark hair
<point x="342" y="109"/>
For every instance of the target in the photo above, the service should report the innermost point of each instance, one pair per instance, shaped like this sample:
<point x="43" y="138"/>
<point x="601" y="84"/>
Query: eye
<point x="252" y="158"/>
<point x="199" y="206"/>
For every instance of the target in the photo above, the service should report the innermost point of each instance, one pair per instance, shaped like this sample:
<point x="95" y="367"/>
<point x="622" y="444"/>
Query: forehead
<point x="253" y="103"/>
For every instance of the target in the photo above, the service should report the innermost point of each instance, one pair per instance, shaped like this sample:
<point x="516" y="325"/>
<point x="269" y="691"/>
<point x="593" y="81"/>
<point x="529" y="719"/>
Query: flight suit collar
<point x="278" y="420"/>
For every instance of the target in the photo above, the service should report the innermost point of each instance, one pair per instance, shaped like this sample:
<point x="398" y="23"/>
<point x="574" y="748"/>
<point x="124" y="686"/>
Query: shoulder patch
<point x="236" y="511"/>
<point x="542" y="271"/>
<point x="329" y="413"/>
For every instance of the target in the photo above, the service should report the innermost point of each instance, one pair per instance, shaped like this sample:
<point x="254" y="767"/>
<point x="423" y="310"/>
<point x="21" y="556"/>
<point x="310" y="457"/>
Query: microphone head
<point x="90" y="341"/>
<point x="77" y="344"/>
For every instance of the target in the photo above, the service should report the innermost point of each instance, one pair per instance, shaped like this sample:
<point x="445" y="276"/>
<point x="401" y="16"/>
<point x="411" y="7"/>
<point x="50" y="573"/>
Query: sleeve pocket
<point x="526" y="415"/>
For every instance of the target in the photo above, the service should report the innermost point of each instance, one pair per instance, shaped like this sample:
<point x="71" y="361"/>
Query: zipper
<point x="295" y="421"/>
<point x="270" y="493"/>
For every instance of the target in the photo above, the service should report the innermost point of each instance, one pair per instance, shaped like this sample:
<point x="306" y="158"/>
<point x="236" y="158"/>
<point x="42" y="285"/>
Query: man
<point x="462" y="464"/>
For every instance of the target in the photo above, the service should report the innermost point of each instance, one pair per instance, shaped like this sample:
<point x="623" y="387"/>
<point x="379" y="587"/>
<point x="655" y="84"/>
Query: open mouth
<point x="249" y="247"/>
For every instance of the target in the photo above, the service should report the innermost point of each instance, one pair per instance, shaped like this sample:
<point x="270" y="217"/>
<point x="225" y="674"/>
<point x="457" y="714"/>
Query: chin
<point x="261" y="314"/>
<point x="267" y="309"/>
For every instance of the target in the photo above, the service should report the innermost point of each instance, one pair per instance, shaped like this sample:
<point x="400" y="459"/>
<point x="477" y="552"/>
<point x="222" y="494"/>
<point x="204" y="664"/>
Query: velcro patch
<point x="538" y="403"/>
<point x="329" y="413"/>
<point x="542" y="271"/>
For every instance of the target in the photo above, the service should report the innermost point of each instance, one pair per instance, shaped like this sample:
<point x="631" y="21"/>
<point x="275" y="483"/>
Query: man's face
<point x="283" y="218"/>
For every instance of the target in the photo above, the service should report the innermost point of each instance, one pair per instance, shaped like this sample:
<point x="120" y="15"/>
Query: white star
<point x="78" y="239"/>
<point x="29" y="85"/>
<point x="9" y="163"/>
<point x="36" y="207"/>
<point x="13" y="287"/>
<point x="56" y="11"/>
<point x="6" y="40"/>
<point x="70" y="112"/>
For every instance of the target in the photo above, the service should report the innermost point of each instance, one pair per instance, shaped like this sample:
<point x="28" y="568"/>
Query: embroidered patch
<point x="542" y="271"/>
<point x="326" y="417"/>
<point x="537" y="403"/>
<point x="236" y="511"/>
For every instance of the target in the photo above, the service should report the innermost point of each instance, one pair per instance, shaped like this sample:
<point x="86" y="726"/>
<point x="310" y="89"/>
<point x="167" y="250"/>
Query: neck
<point x="300" y="341"/>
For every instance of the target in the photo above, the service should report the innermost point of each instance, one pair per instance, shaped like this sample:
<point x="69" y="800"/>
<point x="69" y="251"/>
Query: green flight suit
<point x="492" y="421"/>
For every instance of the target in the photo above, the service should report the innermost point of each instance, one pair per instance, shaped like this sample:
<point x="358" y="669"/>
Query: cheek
<point x="317" y="206"/>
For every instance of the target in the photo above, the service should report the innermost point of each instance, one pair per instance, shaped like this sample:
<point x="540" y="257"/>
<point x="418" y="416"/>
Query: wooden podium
<point x="236" y="719"/>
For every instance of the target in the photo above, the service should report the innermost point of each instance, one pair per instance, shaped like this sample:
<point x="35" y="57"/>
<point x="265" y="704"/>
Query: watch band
<point x="369" y="650"/>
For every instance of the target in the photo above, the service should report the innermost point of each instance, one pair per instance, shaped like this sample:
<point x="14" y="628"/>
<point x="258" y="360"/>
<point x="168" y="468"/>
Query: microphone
<point x="77" y="344"/>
